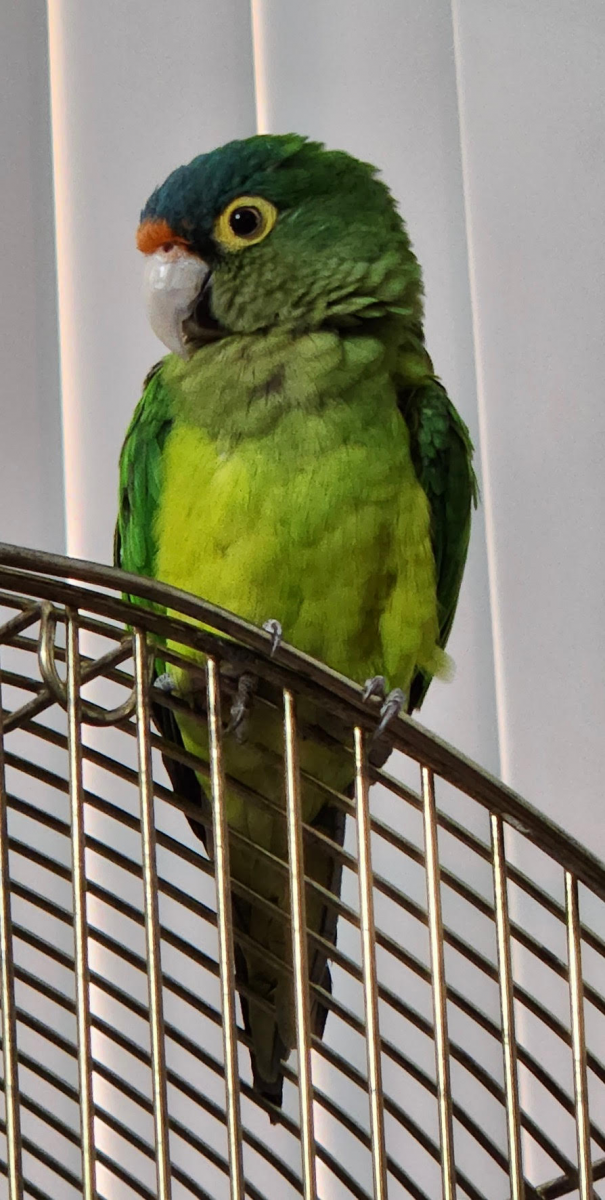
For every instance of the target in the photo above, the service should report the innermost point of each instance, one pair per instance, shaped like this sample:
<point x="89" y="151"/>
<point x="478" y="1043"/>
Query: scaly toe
<point x="274" y="628"/>
<point x="376" y="686"/>
<point x="240" y="709"/>
<point x="165" y="683"/>
<point x="391" y="708"/>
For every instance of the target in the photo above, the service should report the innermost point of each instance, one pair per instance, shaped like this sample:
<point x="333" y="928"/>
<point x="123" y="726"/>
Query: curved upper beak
<point x="173" y="281"/>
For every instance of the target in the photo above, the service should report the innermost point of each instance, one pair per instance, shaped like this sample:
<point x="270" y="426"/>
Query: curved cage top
<point x="460" y="1055"/>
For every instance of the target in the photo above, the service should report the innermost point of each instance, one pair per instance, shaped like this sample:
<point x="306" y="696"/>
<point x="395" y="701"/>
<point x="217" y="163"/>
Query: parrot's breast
<point x="317" y="520"/>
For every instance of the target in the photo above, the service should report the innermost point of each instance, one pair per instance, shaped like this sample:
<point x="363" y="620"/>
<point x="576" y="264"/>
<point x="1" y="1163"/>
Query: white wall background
<point x="486" y="117"/>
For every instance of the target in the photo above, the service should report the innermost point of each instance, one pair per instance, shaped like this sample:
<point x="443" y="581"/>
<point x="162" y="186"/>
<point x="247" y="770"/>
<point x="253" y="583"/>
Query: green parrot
<point x="296" y="461"/>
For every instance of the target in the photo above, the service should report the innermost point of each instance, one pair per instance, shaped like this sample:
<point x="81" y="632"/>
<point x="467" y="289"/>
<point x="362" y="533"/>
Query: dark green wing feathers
<point x="442" y="454"/>
<point x="135" y="545"/>
<point x="141" y="478"/>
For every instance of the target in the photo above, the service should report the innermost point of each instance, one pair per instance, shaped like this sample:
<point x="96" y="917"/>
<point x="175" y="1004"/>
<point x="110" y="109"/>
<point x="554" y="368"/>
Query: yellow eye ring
<point x="244" y="222"/>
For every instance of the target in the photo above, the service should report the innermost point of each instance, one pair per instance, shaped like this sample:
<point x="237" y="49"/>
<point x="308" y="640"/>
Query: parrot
<point x="295" y="460"/>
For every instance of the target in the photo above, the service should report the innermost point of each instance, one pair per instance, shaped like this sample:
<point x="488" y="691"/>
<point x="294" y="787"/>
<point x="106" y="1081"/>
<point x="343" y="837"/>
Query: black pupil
<point x="245" y="221"/>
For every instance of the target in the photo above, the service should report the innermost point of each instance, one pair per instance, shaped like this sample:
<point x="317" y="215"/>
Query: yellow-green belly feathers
<point x="323" y="528"/>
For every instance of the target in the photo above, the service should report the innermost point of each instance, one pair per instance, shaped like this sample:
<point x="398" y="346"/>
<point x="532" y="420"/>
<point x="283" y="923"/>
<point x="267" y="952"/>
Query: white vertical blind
<point x="532" y="89"/>
<point x="31" y="475"/>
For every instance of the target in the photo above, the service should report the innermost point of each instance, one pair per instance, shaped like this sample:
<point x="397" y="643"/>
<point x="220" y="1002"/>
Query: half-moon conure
<point x="295" y="460"/>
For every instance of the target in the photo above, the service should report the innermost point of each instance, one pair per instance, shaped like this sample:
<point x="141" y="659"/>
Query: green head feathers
<point x="293" y="235"/>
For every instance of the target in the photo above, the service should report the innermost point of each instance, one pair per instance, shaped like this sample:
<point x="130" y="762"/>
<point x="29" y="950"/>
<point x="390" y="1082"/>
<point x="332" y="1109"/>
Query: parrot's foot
<point x="274" y="628"/>
<point x="165" y="683"/>
<point x="240" y="709"/>
<point x="376" y="686"/>
<point x="392" y="706"/>
<point x="392" y="703"/>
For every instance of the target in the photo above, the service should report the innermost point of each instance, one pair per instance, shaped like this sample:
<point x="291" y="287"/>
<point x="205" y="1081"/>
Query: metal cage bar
<point x="225" y="932"/>
<point x="578" y="1036"/>
<point x="370" y="980"/>
<point x="7" y="996"/>
<point x="442" y="1049"/>
<point x="152" y="921"/>
<point x="298" y="915"/>
<point x="507" y="1012"/>
<point x="82" y="973"/>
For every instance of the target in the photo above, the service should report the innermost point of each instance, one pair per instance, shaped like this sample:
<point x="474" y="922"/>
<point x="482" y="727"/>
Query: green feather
<point x="442" y="453"/>
<point x="141" y="478"/>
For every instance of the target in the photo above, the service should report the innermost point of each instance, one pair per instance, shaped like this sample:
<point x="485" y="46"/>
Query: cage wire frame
<point x="51" y="606"/>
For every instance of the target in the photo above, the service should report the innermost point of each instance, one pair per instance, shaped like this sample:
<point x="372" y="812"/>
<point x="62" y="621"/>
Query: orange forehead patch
<point x="153" y="234"/>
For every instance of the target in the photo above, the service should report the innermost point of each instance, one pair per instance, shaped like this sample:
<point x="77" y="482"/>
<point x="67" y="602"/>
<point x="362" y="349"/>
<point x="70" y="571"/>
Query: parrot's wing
<point x="442" y="454"/>
<point x="141" y="478"/>
<point x="135" y="546"/>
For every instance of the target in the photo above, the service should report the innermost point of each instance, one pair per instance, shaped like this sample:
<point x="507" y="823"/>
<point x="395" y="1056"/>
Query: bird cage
<point x="460" y="1056"/>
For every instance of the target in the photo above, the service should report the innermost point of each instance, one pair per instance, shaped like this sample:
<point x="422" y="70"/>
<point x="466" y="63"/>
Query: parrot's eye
<point x="245" y="221"/>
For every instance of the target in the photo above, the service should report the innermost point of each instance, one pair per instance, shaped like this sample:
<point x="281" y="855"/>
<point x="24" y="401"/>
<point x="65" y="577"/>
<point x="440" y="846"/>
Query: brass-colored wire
<point x="82" y="974"/>
<point x="507" y="1011"/>
<point x="46" y="658"/>
<point x="578" y="1036"/>
<point x="152" y="920"/>
<point x="7" y="998"/>
<point x="298" y="911"/>
<point x="369" y="969"/>
<point x="225" y="931"/>
<point x="442" y="1050"/>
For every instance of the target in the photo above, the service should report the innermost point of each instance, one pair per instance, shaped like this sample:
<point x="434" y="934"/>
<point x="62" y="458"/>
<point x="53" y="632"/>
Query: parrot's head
<point x="273" y="231"/>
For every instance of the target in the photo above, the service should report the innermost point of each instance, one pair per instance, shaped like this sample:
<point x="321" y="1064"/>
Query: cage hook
<point x="92" y="714"/>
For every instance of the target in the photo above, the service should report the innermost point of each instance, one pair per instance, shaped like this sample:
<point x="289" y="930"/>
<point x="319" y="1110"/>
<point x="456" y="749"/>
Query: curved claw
<point x="240" y="709"/>
<point x="274" y="628"/>
<point x="391" y="708"/>
<point x="376" y="686"/>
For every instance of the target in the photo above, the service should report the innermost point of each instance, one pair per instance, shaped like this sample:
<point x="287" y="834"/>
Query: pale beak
<point x="173" y="281"/>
